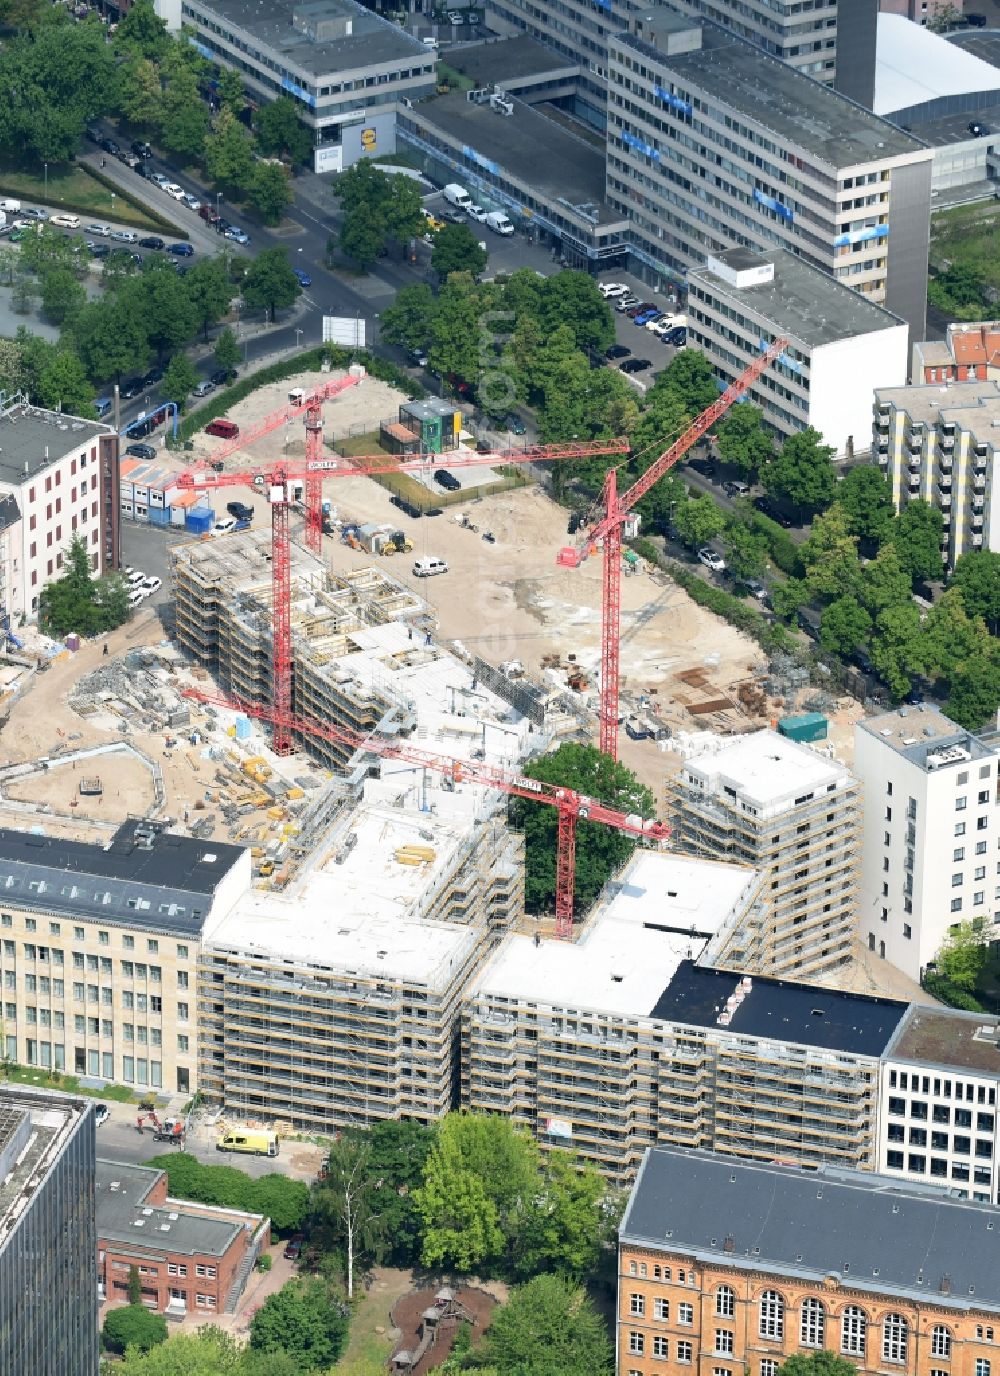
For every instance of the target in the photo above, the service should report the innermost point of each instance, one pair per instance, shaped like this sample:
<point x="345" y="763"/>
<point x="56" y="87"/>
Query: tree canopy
<point x="133" y="1326"/>
<point x="270" y="283"/>
<point x="284" y="1200"/>
<point x="80" y="602"/>
<point x="456" y="249"/>
<point x="304" y="1322"/>
<point x="549" y="1328"/>
<point x="802" y="472"/>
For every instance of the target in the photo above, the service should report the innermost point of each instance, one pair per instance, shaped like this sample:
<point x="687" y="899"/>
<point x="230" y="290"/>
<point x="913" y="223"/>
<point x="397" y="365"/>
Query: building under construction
<point x="623" y="1040"/>
<point x="792" y="813"/>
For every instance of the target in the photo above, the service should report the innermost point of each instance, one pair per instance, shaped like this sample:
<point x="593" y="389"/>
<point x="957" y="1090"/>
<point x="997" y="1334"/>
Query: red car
<point x="293" y="1247"/>
<point x="210" y="216"/>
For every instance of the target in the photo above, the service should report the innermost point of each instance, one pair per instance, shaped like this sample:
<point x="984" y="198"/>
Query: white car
<point x="224" y="527"/>
<point x="612" y="289"/>
<point x="192" y="202"/>
<point x="101" y="1114"/>
<point x="66" y="221"/>
<point x="151" y="585"/>
<point x="125" y="236"/>
<point x="658" y="327"/>
<point x="136" y="577"/>
<point x="711" y="560"/>
<point x="477" y="213"/>
<point x="172" y="189"/>
<point x="102" y="231"/>
<point x="135" y="597"/>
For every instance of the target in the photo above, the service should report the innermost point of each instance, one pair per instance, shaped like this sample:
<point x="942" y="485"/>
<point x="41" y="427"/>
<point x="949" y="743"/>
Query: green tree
<point x="689" y="377"/>
<point x="802" y="472"/>
<point x="977" y="576"/>
<point x="884" y="581"/>
<point x="347" y="1202"/>
<point x="209" y="1352"/>
<point x="844" y="626"/>
<point x="73" y="602"/>
<point x="917" y="537"/>
<point x="571" y="298"/>
<point x="62" y="296"/>
<point x="180" y="379"/>
<point x="283" y="1200"/>
<point x="229" y="152"/>
<point x="134" y="1286"/>
<point x="960" y="291"/>
<point x="361" y="184"/>
<point x="896" y="648"/>
<point x="562" y="1231"/>
<point x="549" y="1328"/>
<point x="362" y="236"/>
<point x="270" y="282"/>
<point x="866" y="500"/>
<point x="963" y="953"/>
<point x="230" y="90"/>
<point x="830" y="557"/>
<point x="269" y="191"/>
<point x="456" y="323"/>
<point x="698" y="521"/>
<point x="183" y="120"/>
<point x="746" y="552"/>
<point x="280" y="132"/>
<point x="166" y="304"/>
<point x="456" y="249"/>
<point x="975" y="691"/>
<point x="788" y="597"/>
<point x="140" y="93"/>
<point x="300" y="1320"/>
<point x="111" y="337"/>
<point x="398" y="1152"/>
<point x="52" y="81"/>
<point x="742" y="439"/>
<point x="403" y="208"/>
<point x="600" y="851"/>
<point x="62" y="383"/>
<point x="227" y="349"/>
<point x="210" y="293"/>
<point x="133" y="1326"/>
<point x="950" y="637"/>
<point x="142" y="31"/>
<point x="822" y="1363"/>
<point x="408" y="320"/>
<point x="46" y="248"/>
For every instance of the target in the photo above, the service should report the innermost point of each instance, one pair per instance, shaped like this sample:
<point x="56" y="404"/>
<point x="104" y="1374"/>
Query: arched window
<point x="853" y="1331"/>
<point x="772" y="1315"/>
<point x="940" y="1341"/>
<point x="812" y="1324"/>
<point x="725" y="1302"/>
<point x="895" y="1332"/>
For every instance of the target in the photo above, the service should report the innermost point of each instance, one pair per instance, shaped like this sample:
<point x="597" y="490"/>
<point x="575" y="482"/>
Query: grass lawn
<point x="969" y="234"/>
<point x="368" y="1351"/>
<point x="68" y="1084"/>
<point x="71" y="187"/>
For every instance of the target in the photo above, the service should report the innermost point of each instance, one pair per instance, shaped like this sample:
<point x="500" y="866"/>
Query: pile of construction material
<point x="140" y="688"/>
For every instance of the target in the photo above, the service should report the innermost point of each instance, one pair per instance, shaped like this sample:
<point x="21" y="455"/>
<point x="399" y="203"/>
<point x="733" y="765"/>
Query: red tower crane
<point x="277" y="480"/>
<point x="609" y="529"/>
<point x="570" y="805"/>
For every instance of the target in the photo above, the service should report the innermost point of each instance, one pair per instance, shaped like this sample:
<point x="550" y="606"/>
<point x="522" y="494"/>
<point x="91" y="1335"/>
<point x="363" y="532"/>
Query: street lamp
<point x="218" y="198"/>
<point x="297" y="335"/>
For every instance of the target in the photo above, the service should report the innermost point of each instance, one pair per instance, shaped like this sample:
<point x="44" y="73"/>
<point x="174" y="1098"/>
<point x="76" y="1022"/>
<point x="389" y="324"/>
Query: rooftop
<point x="782" y="1010"/>
<point x="914" y="66"/>
<point x="737" y="77"/>
<point x="926" y="737"/>
<point x="145" y="876"/>
<point x="799" y="301"/>
<point x="123" y="1217"/>
<point x="941" y="129"/>
<point x="660" y="913"/>
<point x="318" y="37"/>
<point x="361" y="910"/>
<point x="570" y="176"/>
<point x="975" y="343"/>
<point x="491" y="64"/>
<point x="928" y="401"/>
<point x="35" y="1127"/>
<point x="865" y="1230"/>
<point x="765" y="769"/>
<point x="31" y="439"/>
<point x="944" y="1036"/>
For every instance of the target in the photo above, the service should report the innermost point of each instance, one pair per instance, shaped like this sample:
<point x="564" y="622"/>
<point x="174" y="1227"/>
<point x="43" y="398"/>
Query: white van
<point x="457" y="195"/>
<point x="499" y="223"/>
<point x="8" y="204"/>
<point x="429" y="566"/>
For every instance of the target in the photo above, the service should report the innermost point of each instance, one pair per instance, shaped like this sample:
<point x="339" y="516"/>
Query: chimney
<point x="729" y="1245"/>
<point x="945" y="1287"/>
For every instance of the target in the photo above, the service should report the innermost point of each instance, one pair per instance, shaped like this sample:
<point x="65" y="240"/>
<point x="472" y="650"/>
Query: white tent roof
<point x="913" y="65"/>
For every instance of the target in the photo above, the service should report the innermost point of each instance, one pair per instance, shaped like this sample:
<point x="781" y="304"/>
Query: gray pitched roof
<point x="869" y="1231"/>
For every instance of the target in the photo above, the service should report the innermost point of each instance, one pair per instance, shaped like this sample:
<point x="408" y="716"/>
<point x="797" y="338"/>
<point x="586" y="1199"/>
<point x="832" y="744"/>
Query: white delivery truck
<point x="499" y="223"/>
<point x="428" y="566"/>
<point x="8" y="204"/>
<point x="457" y="195"/>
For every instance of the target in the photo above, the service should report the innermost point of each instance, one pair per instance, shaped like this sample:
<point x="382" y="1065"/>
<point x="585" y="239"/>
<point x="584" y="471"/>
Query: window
<point x="661" y="1309"/>
<point x="632" y="1268"/>
<point x="982" y="1366"/>
<point x="725" y="1301"/>
<point x="853" y="1329"/>
<point x="685" y="1313"/>
<point x="661" y="1347"/>
<point x="769" y="1367"/>
<point x="637" y="1304"/>
<point x="684" y="1353"/>
<point x="724" y="1344"/>
<point x="894" y="1338"/>
<point x="812" y="1323"/>
<point x="940" y="1341"/>
<point x="772" y="1315"/>
<point x="636" y="1343"/>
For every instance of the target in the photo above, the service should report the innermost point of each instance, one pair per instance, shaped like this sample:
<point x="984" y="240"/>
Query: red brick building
<point x="970" y="353"/>
<point x="191" y="1258"/>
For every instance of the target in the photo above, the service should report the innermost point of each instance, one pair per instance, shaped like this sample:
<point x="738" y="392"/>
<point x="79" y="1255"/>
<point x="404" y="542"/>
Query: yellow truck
<point x="250" y="1141"/>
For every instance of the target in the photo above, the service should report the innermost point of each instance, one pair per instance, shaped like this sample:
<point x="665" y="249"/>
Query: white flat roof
<point x="661" y="912"/>
<point x="766" y="770"/>
<point x="361" y="914"/>
<point x="913" y="65"/>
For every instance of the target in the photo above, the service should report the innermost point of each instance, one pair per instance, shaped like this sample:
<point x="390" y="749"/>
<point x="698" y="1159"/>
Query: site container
<point x="811" y="726"/>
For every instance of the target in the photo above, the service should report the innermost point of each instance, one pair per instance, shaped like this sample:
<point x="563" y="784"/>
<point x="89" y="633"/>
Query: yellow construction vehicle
<point x="266" y="869"/>
<point x="397" y="543"/>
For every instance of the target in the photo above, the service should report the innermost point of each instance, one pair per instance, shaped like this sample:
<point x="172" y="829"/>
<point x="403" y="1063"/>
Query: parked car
<point x="204" y="387"/>
<point x="130" y="388"/>
<point x="154" y="376"/>
<point x="515" y="424"/>
<point x="173" y="189"/>
<point x="97" y="250"/>
<point x="141" y="149"/>
<point x="141" y="451"/>
<point x="303" y="278"/>
<point x="181" y="250"/>
<point x="240" y="511"/>
<point x="293" y="1247"/>
<point x="677" y="337"/>
<point x="617" y="351"/>
<point x="711" y="559"/>
<point x="447" y="480"/>
<point x="734" y="488"/>
<point x="477" y="213"/>
<point x="110" y="146"/>
<point x="612" y="289"/>
<point x="635" y="365"/>
<point x="101" y="1114"/>
<point x="209" y="215"/>
<point x="66" y="221"/>
<point x="768" y="508"/>
<point x="223" y="428"/>
<point x="151" y="241"/>
<point x="136" y="596"/>
<point x="192" y="202"/>
<point x="643" y="317"/>
<point x="135" y="576"/>
<point x="125" y="236"/>
<point x="625" y="303"/>
<point x="225" y="527"/>
<point x="101" y="230"/>
<point x="223" y="376"/>
<point x="417" y="358"/>
<point x="238" y="236"/>
<point x="151" y="585"/>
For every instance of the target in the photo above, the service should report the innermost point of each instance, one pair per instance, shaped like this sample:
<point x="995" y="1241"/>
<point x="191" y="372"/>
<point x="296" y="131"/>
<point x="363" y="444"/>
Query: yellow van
<point x="249" y="1141"/>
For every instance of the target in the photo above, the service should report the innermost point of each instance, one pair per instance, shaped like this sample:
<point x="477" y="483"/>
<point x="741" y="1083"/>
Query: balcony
<point x="944" y="482"/>
<point x="945" y="500"/>
<point x="914" y="481"/>
<point x="979" y="482"/>
<point x="914" y="461"/>
<point x="977" y="540"/>
<point x="945" y="461"/>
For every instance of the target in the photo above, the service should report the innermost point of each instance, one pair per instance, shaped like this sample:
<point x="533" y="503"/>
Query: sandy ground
<point x="129" y="788"/>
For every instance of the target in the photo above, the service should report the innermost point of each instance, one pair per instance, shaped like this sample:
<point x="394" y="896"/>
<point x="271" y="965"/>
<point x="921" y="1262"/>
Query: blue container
<point x="200" y="520"/>
<point x="242" y="728"/>
<point x="159" y="515"/>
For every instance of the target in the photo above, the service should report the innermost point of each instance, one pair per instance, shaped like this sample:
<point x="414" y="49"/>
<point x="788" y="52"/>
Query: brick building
<point x="192" y="1258"/>
<point x="727" y="1268"/>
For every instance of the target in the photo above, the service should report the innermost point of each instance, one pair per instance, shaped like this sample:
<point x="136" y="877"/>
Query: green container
<point x="811" y="726"/>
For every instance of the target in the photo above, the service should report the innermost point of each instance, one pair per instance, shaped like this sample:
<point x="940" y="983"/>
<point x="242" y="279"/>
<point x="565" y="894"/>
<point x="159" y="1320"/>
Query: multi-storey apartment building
<point x="345" y="67"/>
<point x="940" y="1077"/>
<point x="931" y="820"/>
<point x="939" y="443"/>
<point x="730" y="1267"/>
<point x="48" y="1242"/>
<point x="340" y="1002"/>
<point x="839" y="342"/>
<point x="713" y="144"/>
<point x="99" y="949"/>
<point x="620" y="1040"/>
<point x="62" y="474"/>
<point x="767" y="801"/>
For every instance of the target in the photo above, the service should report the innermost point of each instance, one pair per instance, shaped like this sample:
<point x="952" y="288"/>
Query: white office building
<point x="931" y="821"/>
<point x="840" y="344"/>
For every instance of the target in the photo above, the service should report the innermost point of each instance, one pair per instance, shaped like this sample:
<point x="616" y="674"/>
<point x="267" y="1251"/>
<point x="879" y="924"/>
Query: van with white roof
<point x="457" y="195"/>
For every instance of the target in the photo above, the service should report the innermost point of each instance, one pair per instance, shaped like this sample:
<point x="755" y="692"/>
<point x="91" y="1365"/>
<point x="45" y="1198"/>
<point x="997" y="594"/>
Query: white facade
<point x="839" y="343"/>
<point x="931" y="820"/>
<point x="52" y="465"/>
